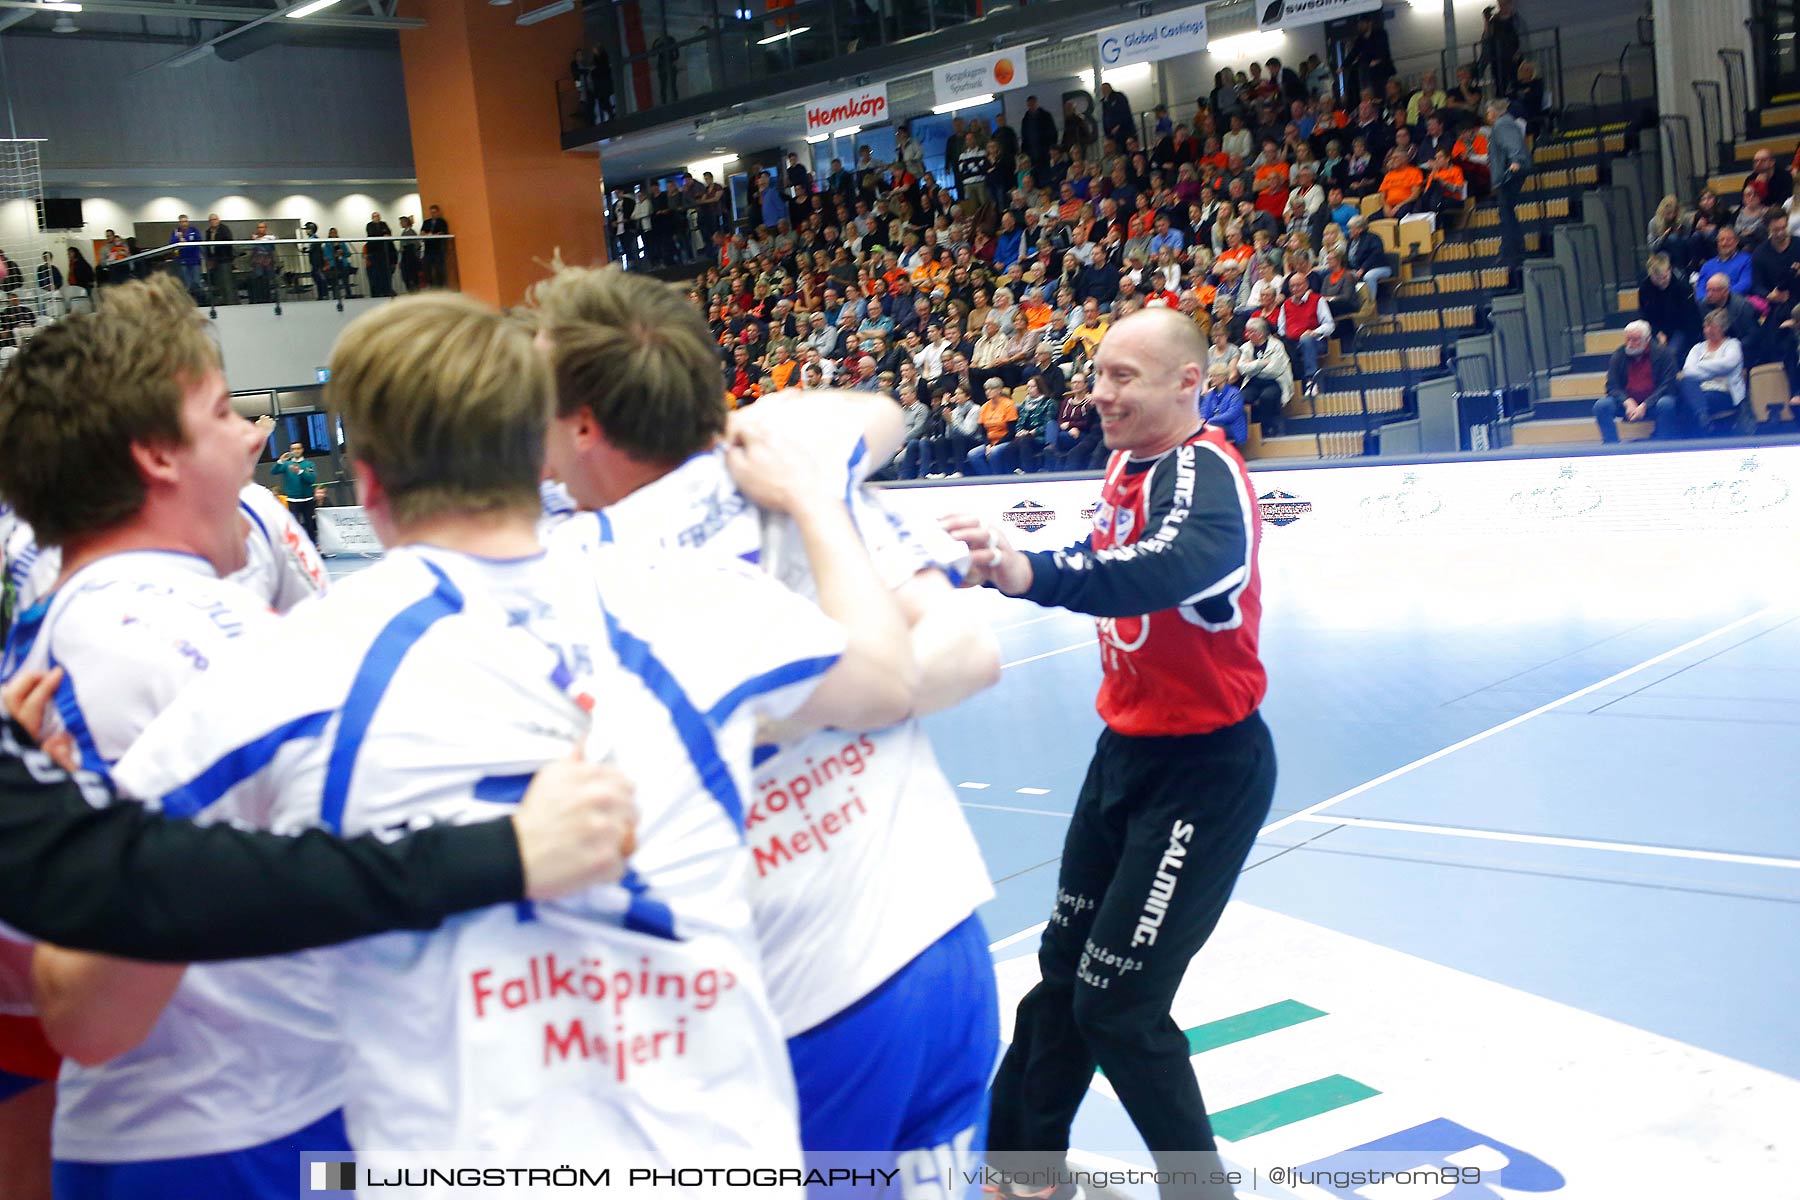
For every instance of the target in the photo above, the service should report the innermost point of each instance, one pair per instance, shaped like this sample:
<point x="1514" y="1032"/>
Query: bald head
<point x="1148" y="376"/>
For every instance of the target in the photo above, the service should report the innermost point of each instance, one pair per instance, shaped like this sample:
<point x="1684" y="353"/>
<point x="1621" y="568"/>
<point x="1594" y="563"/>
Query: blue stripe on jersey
<point x="606" y="534"/>
<point x="763" y="754"/>
<point x="379" y="664"/>
<point x="645" y="914"/>
<point x="783" y="676"/>
<point x="22" y="636"/>
<point x="235" y="766"/>
<point x="691" y="726"/>
<point x="258" y="522"/>
<point x="502" y="789"/>
<point x="860" y="452"/>
<point x="68" y="707"/>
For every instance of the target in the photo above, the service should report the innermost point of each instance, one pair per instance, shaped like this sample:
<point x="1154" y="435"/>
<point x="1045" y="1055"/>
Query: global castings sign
<point x="1148" y="39"/>
<point x="978" y="76"/>
<point x="864" y="106"/>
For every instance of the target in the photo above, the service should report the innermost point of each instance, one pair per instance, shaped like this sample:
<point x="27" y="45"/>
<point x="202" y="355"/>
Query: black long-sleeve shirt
<point x="81" y="871"/>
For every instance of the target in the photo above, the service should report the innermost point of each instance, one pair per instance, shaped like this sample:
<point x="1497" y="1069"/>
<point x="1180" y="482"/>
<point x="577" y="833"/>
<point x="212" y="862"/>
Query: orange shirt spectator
<point x="1272" y="169"/>
<point x="997" y="415"/>
<point x="1143" y="224"/>
<point x="1068" y="210"/>
<point x="1400" y="185"/>
<point x="1236" y="254"/>
<point x="1451" y="181"/>
<point x="782" y="373"/>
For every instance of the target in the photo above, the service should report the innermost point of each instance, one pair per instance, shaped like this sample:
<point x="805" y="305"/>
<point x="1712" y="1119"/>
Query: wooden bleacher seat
<point x="1768" y="391"/>
<point x="1370" y="204"/>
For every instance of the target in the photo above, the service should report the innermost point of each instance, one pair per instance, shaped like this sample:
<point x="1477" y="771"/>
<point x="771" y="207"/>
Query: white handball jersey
<point x="281" y="565"/>
<point x="860" y="855"/>
<point x="632" y="1019"/>
<point x="245" y="1053"/>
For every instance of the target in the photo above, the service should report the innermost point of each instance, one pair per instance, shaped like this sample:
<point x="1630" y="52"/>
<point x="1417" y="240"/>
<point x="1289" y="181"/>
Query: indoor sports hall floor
<point x="1529" y="897"/>
<point x="1530" y="891"/>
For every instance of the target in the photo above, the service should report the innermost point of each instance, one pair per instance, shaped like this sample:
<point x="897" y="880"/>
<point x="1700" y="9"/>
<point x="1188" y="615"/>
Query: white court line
<point x="1061" y="612"/>
<point x="973" y="787"/>
<point x="1049" y="654"/>
<point x="1539" y="711"/>
<point x="1307" y="813"/>
<point x="1540" y="839"/>
<point x="1035" y="812"/>
<point x="1033" y="791"/>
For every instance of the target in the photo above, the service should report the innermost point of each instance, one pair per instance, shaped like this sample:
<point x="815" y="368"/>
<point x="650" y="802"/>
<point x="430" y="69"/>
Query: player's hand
<point x="576" y="827"/>
<point x="27" y="697"/>
<point x="992" y="558"/>
<point x="770" y="467"/>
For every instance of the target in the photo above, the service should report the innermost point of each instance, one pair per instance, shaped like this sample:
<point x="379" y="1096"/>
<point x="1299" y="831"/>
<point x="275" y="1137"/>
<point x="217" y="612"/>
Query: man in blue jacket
<point x="1730" y="262"/>
<point x="188" y="260"/>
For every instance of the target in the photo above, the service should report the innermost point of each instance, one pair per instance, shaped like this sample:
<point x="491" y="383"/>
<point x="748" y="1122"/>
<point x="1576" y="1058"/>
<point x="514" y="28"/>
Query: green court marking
<point x="1285" y="1108"/>
<point x="1244" y="1026"/>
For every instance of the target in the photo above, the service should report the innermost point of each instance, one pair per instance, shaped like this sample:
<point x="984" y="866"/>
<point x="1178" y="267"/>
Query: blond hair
<point x="637" y="355"/>
<point x="85" y="390"/>
<point x="448" y="401"/>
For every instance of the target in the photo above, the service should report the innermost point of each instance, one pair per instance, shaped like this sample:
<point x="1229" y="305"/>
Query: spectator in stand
<point x="1528" y="100"/>
<point x="1712" y="379"/>
<point x="1640" y="386"/>
<point x="265" y="267"/>
<point x="14" y="318"/>
<point x="1037" y="416"/>
<point x="1666" y="301"/>
<point x="50" y="282"/>
<point x="1447" y="188"/>
<point x="1510" y="163"/>
<point x="1368" y="257"/>
<point x="1222" y="404"/>
<point x="1267" y="375"/>
<point x="1729" y="261"/>
<point x="221" y="275"/>
<point x="1667" y="232"/>
<point x="1775" y="270"/>
<point x="379" y="256"/>
<point x="1502" y="43"/>
<point x="1751" y="220"/>
<point x="437" y="273"/>
<point x="1371" y="59"/>
<point x="1771" y="180"/>
<point x="1402" y="186"/>
<point x="1305" y="323"/>
<point x="1741" y="320"/>
<point x="187" y="258"/>
<point x="1115" y="115"/>
<point x="999" y="417"/>
<point x="1360" y="176"/>
<point x="961" y="423"/>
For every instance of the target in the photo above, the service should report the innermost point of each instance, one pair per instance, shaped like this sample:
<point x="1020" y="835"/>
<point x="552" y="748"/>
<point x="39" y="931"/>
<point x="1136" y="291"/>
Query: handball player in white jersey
<point x="122" y="451"/>
<point x="630" y="1024"/>
<point x="866" y="877"/>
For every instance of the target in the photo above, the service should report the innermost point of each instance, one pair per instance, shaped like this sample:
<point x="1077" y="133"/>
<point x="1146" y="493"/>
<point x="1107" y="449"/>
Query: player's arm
<point x="1196" y="545"/>
<point x="95" y="1008"/>
<point x="876" y="418"/>
<point x="956" y="657"/>
<point x="872" y="685"/>
<point x="78" y="871"/>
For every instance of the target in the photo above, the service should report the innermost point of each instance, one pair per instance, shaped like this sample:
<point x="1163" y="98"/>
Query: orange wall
<point x="481" y="97"/>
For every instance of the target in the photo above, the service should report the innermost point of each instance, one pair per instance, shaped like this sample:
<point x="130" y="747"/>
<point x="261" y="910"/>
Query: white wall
<point x="345" y="205"/>
<point x="266" y="350"/>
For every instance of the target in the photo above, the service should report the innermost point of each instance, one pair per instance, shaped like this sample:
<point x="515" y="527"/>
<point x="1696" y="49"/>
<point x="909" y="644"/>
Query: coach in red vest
<point x="1183" y="774"/>
<point x="1305" y="323"/>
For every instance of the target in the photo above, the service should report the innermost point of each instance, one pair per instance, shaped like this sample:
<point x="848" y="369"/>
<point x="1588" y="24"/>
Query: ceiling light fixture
<point x="783" y="35"/>
<point x="307" y="10"/>
<point x="970" y="102"/>
<point x="545" y="13"/>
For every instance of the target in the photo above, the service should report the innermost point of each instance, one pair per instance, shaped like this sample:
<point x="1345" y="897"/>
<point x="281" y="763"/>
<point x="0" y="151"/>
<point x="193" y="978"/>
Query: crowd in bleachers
<point x="1717" y="299"/>
<point x="976" y="289"/>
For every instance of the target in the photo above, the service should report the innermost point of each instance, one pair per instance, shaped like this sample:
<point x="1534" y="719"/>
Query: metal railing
<point x="1678" y="145"/>
<point x="1737" y="91"/>
<point x="1708" y="97"/>
<point x="274" y="270"/>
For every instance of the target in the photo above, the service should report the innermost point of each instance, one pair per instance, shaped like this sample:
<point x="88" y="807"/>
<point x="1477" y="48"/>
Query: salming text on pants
<point x="1160" y="831"/>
